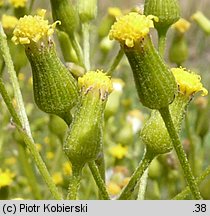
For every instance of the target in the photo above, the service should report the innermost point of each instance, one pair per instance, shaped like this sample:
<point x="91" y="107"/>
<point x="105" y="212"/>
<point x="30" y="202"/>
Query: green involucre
<point x="154" y="133"/>
<point x="155" y="83"/>
<point x="55" y="89"/>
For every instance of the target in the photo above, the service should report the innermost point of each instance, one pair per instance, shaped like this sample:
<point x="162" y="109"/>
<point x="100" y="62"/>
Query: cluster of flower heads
<point x="32" y="29"/>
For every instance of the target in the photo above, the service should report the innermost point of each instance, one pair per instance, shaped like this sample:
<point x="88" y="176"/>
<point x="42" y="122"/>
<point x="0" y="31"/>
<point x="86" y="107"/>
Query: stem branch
<point x="99" y="181"/>
<point x="165" y="113"/>
<point x="144" y="164"/>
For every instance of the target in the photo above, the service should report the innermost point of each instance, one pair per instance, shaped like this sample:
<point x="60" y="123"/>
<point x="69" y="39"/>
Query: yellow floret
<point x="181" y="25"/>
<point x="189" y="83"/>
<point x="96" y="80"/>
<point x="131" y="28"/>
<point x="118" y="151"/>
<point x="32" y="28"/>
<point x="8" y="22"/>
<point x="6" y="178"/>
<point x="18" y="3"/>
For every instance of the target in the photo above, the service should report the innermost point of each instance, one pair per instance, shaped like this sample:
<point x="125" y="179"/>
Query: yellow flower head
<point x="50" y="155"/>
<point x="189" y="83"/>
<point x="118" y="151"/>
<point x="96" y="80"/>
<point x="57" y="178"/>
<point x="6" y="178"/>
<point x="114" y="11"/>
<point x="131" y="28"/>
<point x="8" y="22"/>
<point x="181" y="25"/>
<point x="32" y="29"/>
<point x="113" y="188"/>
<point x="67" y="168"/>
<point x="18" y="3"/>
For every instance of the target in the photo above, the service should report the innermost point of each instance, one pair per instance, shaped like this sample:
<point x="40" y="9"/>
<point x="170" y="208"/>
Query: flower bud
<point x="155" y="84"/>
<point x="55" y="89"/>
<point x="202" y="21"/>
<point x="83" y="140"/>
<point x="87" y="10"/>
<point x="168" y="12"/>
<point x="178" y="51"/>
<point x="64" y="11"/>
<point x="154" y="133"/>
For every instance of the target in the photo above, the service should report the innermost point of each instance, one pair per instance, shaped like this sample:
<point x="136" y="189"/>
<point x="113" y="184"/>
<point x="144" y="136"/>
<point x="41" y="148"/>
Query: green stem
<point x="162" y="42"/>
<point x="77" y="49"/>
<point x="29" y="143"/>
<point x="192" y="145"/>
<point x="143" y="185"/>
<point x="165" y="113"/>
<point x="86" y="44"/>
<point x="116" y="62"/>
<point x="199" y="179"/>
<point x="74" y="183"/>
<point x="14" y="80"/>
<point x="99" y="181"/>
<point x="29" y="172"/>
<point x="144" y="164"/>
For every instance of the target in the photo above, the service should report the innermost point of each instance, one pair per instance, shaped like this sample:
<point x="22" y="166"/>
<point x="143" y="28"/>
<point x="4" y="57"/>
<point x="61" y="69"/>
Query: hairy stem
<point x="142" y="167"/>
<point x="99" y="181"/>
<point x="74" y="183"/>
<point x="165" y="113"/>
<point x="182" y="195"/>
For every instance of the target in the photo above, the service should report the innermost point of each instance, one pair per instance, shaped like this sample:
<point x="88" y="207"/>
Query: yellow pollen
<point x="18" y="3"/>
<point x="96" y="80"/>
<point x="9" y="22"/>
<point x="131" y="28"/>
<point x="181" y="25"/>
<point x="32" y="29"/>
<point x="189" y="82"/>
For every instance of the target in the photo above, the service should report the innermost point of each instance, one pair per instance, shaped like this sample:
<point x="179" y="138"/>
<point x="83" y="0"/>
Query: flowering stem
<point x="162" y="42"/>
<point x="142" y="167"/>
<point x="74" y="183"/>
<point x="192" y="145"/>
<point x="199" y="179"/>
<point x="116" y="62"/>
<point x="86" y="44"/>
<point x="143" y="185"/>
<point x="28" y="171"/>
<point x="77" y="49"/>
<point x="99" y="181"/>
<point x="165" y="113"/>
<point x="13" y="77"/>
